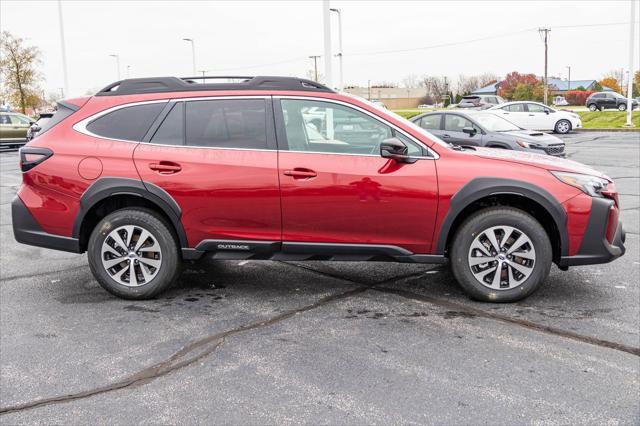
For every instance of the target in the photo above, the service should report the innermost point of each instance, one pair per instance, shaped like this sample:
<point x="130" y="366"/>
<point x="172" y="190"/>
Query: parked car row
<point x="16" y="128"/>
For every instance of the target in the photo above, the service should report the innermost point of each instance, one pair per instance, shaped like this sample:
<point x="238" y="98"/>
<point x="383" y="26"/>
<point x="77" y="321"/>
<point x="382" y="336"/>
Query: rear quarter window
<point x="128" y="123"/>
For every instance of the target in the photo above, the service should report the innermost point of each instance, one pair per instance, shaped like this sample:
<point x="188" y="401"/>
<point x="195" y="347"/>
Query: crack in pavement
<point x="171" y="364"/>
<point x="41" y="274"/>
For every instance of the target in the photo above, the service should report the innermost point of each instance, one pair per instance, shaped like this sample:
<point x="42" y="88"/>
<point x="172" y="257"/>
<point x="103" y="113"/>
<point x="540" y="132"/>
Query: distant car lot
<point x="273" y="342"/>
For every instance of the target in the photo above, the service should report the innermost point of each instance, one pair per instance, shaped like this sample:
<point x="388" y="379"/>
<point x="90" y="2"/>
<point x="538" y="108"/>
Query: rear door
<point x="216" y="157"/>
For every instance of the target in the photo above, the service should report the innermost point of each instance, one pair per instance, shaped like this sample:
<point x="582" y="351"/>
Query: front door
<point x="336" y="189"/>
<point x="453" y="126"/>
<point x="220" y="165"/>
<point x="540" y="117"/>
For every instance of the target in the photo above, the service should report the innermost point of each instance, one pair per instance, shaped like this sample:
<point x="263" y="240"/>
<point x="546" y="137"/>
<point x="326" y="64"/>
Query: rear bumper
<point x="27" y="231"/>
<point x="595" y="248"/>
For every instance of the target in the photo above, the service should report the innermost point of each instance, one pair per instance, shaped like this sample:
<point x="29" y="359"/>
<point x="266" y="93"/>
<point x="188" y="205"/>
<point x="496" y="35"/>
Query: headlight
<point x="590" y="185"/>
<point x="525" y="144"/>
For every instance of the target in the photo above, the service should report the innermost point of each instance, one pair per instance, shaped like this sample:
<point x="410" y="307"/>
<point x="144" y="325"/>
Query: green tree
<point x="18" y="67"/>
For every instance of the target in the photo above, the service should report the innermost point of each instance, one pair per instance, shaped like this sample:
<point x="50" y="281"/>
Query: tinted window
<point x="598" y="95"/>
<point x="4" y="119"/>
<point x="515" y="108"/>
<point x="455" y="123"/>
<point x="130" y="123"/>
<point x="171" y="131"/>
<point x="238" y="123"/>
<point x="535" y="108"/>
<point x="326" y="127"/>
<point x="431" y="122"/>
<point x="61" y="113"/>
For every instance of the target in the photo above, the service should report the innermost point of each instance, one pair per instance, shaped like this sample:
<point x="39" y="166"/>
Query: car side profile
<point x="483" y="129"/>
<point x="152" y="172"/>
<point x="13" y="128"/>
<point x="537" y="116"/>
<point x="608" y="100"/>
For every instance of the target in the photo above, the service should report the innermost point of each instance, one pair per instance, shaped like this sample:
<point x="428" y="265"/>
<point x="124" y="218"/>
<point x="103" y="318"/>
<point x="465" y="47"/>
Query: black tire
<point x="622" y="107"/>
<point x="146" y="219"/>
<point x="562" y="126"/>
<point x="478" y="223"/>
<point x="593" y="107"/>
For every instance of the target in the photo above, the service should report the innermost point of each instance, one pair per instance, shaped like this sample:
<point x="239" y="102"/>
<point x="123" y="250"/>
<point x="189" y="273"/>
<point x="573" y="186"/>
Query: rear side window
<point x="129" y="123"/>
<point x="515" y="108"/>
<point x="171" y="131"/>
<point x="431" y="122"/>
<point x="240" y="123"/>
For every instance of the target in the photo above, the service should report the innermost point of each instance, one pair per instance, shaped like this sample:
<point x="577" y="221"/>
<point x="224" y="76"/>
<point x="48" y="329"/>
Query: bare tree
<point x="411" y="81"/>
<point x="19" y="74"/>
<point x="436" y="87"/>
<point x="487" y="78"/>
<point x="467" y="84"/>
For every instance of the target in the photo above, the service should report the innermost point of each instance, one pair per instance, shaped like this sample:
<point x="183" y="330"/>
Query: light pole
<point x="203" y="74"/>
<point x="569" y="78"/>
<point x="64" y="49"/>
<point x="326" y="21"/>
<point x="632" y="16"/>
<point x="339" y="55"/>
<point x="193" y="54"/>
<point x="128" y="70"/>
<point x="117" y="63"/>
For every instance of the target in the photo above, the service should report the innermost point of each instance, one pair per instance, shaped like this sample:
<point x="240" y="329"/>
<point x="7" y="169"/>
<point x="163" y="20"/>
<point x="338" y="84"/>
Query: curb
<point x="630" y="129"/>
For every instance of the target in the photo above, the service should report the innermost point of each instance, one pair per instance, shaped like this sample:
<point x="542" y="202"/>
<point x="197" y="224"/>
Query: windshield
<point x="493" y="123"/>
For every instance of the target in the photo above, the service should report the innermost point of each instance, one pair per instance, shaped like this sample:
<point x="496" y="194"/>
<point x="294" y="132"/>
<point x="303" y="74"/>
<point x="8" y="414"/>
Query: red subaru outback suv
<point x="150" y="172"/>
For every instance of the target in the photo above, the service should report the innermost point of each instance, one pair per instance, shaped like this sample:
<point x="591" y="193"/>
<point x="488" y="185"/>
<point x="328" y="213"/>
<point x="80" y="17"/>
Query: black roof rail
<point x="133" y="86"/>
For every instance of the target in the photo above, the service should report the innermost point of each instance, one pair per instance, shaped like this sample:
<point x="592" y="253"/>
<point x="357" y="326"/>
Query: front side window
<point x="431" y="122"/>
<point x="19" y="120"/>
<point x="326" y="127"/>
<point x="227" y="123"/>
<point x="455" y="123"/>
<point x="129" y="123"/>
<point x="4" y="119"/>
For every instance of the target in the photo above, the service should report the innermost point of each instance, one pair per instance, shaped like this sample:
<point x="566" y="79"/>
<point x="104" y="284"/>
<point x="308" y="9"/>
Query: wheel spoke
<point x="495" y="283"/>
<point x="144" y="236"/>
<point x="108" y="264"/>
<point x="491" y="236"/>
<point x="522" y="239"/>
<point x="106" y="248"/>
<point x="133" y="280"/>
<point x="118" y="275"/>
<point x="511" y="278"/>
<point x="480" y="260"/>
<point x="148" y="276"/>
<point x="154" y="248"/>
<point x="525" y="270"/>
<point x="129" y="230"/>
<point x="150" y="262"/>
<point x="479" y="246"/>
<point x="524" y="254"/>
<point x="118" y="239"/>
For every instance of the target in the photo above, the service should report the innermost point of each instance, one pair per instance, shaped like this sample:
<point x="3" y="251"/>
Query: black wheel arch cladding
<point x="485" y="187"/>
<point x="106" y="187"/>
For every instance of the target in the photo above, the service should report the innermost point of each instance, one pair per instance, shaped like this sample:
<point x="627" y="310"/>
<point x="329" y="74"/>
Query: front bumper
<point x="595" y="248"/>
<point x="27" y="231"/>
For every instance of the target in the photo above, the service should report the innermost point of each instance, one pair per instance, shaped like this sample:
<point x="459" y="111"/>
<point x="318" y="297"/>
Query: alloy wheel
<point x="131" y="255"/>
<point x="502" y="257"/>
<point x="563" y="126"/>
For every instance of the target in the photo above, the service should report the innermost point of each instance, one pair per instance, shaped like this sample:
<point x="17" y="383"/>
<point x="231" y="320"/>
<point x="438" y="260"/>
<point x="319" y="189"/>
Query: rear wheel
<point x="563" y="126"/>
<point x="622" y="107"/>
<point x="133" y="254"/>
<point x="593" y="107"/>
<point x="500" y="254"/>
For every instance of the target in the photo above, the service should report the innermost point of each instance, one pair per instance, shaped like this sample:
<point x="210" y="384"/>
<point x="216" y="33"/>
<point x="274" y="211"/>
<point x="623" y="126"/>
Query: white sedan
<point x="537" y="116"/>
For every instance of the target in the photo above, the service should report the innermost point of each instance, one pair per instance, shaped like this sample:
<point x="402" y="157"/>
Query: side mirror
<point x="396" y="150"/>
<point x="470" y="131"/>
<point x="546" y="111"/>
<point x="31" y="123"/>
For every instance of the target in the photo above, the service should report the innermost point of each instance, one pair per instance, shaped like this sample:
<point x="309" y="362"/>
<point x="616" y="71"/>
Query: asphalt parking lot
<point x="273" y="342"/>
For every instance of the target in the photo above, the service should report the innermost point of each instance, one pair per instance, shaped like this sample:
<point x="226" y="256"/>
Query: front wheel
<point x="622" y="107"/>
<point x="500" y="254"/>
<point x="593" y="107"/>
<point x="563" y="126"/>
<point x="133" y="254"/>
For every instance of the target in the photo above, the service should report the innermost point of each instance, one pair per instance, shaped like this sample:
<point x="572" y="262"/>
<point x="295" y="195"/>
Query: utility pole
<point x="544" y="32"/>
<point x="569" y="78"/>
<point x="315" y="66"/>
<point x="128" y="70"/>
<point x="203" y="75"/>
<point x="632" y="16"/>
<point x="326" y="20"/>
<point x="339" y="55"/>
<point x="64" y="50"/>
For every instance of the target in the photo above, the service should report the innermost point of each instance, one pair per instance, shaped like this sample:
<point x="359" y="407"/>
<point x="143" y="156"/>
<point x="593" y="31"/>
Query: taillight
<point x="32" y="156"/>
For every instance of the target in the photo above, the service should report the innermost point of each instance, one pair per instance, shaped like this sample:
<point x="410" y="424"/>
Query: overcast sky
<point x="276" y="38"/>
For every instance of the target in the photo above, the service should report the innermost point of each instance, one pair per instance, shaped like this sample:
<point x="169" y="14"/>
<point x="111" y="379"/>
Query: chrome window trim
<point x="432" y="154"/>
<point x="81" y="126"/>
